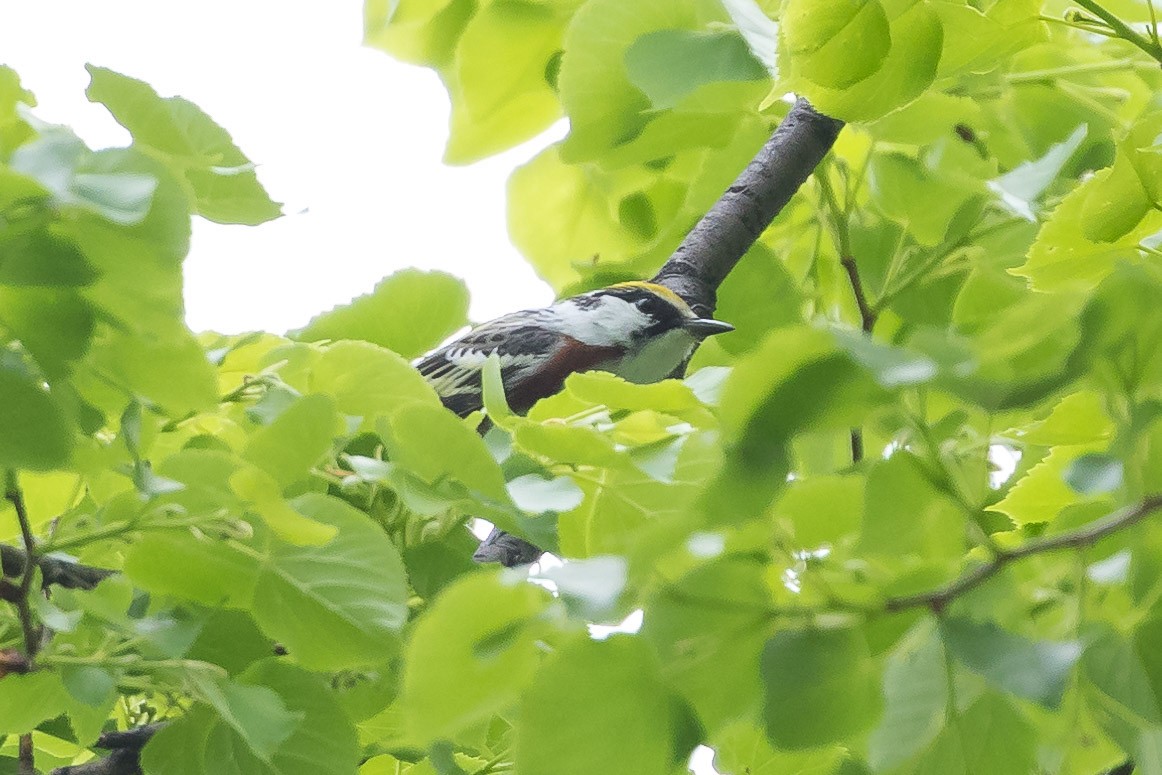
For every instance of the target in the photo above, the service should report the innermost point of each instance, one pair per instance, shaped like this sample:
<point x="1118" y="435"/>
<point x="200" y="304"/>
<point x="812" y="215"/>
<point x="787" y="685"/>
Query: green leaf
<point x="1122" y="332"/>
<point x="604" y="108"/>
<point x="42" y="258"/>
<point x="181" y="564"/>
<point x="589" y="733"/>
<point x="1079" y="418"/>
<point x="55" y="325"/>
<point x="13" y="97"/>
<point x="921" y="199"/>
<point x="225" y="187"/>
<point x="179" y="748"/>
<point x="915" y="699"/>
<point x="708" y="628"/>
<point x="471" y="654"/>
<point x="910" y="66"/>
<point x="820" y="686"/>
<point x="434" y="444"/>
<point x="1085" y="238"/>
<point x="743" y="748"/>
<point x="90" y="684"/>
<point x="263" y="494"/>
<point x="76" y="177"/>
<point x="257" y="714"/>
<point x="906" y="514"/>
<point x="368" y="381"/>
<point x="418" y="31"/>
<point x="980" y="42"/>
<point x="535" y="494"/>
<point x="1116" y="670"/>
<point x="667" y="65"/>
<point x="288" y="447"/>
<point x="38" y="433"/>
<point x="1042" y="493"/>
<point x="559" y="217"/>
<point x="500" y="80"/>
<point x="991" y="736"/>
<point x="758" y="296"/>
<point x="409" y="312"/>
<point x="822" y="509"/>
<point x="334" y="606"/>
<point x="230" y="639"/>
<point x="836" y="44"/>
<point x="1035" y="670"/>
<point x="322" y="743"/>
<point x="28" y="700"/>
<point x="1093" y="474"/>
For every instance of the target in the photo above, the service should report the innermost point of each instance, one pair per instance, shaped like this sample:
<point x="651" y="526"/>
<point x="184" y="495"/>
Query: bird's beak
<point x="704" y="327"/>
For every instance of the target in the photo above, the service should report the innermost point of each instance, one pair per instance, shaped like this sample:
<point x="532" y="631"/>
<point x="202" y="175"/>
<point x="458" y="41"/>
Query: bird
<point x="640" y="331"/>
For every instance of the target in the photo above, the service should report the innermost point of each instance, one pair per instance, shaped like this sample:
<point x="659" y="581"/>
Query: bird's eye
<point x="647" y="304"/>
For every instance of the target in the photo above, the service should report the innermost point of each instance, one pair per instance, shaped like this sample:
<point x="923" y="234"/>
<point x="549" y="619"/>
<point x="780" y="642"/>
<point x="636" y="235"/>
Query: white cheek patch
<point x="612" y="322"/>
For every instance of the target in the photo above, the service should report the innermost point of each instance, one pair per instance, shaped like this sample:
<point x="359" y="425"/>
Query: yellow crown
<point x="660" y="290"/>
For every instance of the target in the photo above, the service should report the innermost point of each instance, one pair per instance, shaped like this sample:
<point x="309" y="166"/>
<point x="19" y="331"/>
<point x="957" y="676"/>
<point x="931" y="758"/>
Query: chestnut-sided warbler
<point x="640" y="331"/>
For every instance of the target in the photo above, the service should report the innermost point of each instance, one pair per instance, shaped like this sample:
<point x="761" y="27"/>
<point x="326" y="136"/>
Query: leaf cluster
<point x="968" y="287"/>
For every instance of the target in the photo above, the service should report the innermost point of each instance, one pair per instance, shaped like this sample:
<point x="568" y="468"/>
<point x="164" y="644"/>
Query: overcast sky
<point x="347" y="137"/>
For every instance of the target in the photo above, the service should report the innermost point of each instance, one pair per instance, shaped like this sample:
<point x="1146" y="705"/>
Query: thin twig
<point x="937" y="599"/>
<point x="867" y="315"/>
<point x="1123" y="30"/>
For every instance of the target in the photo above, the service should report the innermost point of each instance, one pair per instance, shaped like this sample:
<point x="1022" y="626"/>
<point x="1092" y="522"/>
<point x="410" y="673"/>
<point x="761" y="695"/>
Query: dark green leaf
<point x="1036" y="670"/>
<point x="821" y="686"/>
<point x="669" y="64"/>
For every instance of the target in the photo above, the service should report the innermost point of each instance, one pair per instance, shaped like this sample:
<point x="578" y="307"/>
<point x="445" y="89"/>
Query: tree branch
<point x="726" y="232"/>
<point x="938" y="599"/>
<point x="26" y="752"/>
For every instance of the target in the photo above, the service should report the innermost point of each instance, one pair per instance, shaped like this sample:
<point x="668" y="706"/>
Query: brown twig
<point x="867" y="315"/>
<point x="938" y="599"/>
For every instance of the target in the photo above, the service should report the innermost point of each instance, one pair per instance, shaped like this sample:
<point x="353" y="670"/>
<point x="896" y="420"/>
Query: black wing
<point x="522" y="341"/>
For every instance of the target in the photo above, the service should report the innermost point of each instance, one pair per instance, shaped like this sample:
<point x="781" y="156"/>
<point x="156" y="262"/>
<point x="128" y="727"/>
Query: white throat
<point x="657" y="359"/>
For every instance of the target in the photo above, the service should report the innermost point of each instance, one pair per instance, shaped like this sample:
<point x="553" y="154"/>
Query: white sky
<point x="350" y="139"/>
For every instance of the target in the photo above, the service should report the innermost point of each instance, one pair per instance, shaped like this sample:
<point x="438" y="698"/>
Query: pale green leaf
<point x="409" y="312"/>
<point x="589" y="733"/>
<point x="470" y="654"/>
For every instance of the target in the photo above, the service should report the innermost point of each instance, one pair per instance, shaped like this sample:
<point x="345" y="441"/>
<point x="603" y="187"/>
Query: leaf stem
<point x="1081" y="68"/>
<point x="1123" y="30"/>
<point x="867" y="315"/>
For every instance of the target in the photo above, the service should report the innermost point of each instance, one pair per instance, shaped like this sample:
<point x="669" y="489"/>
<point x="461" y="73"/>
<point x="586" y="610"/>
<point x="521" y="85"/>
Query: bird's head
<point x="632" y="313"/>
